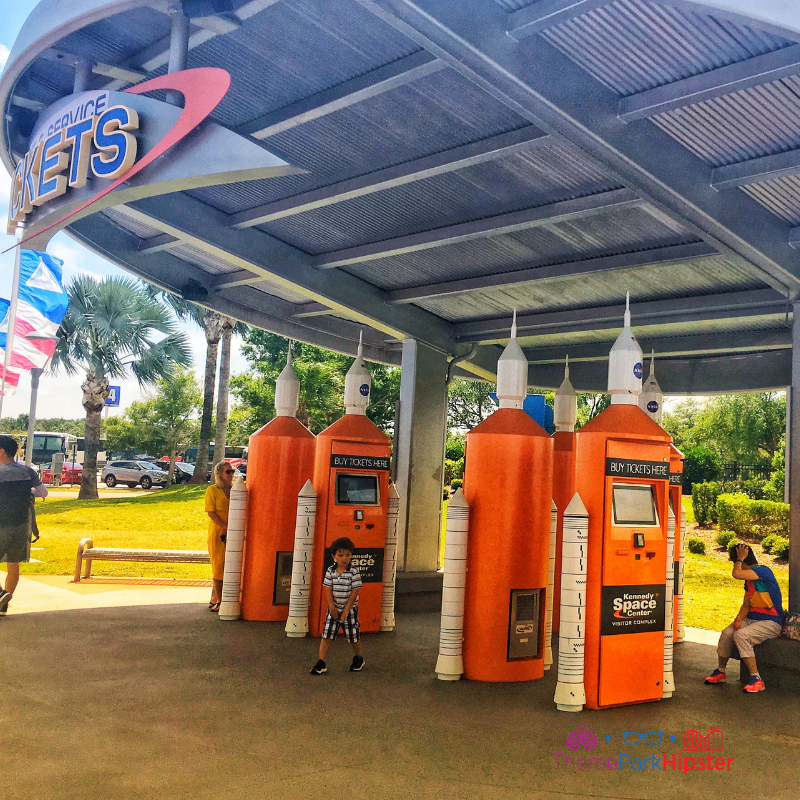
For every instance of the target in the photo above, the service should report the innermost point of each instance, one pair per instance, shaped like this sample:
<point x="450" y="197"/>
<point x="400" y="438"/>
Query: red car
<point x="71" y="473"/>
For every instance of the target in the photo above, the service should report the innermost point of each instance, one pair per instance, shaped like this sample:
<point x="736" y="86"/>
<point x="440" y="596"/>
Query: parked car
<point x="183" y="472"/>
<point x="133" y="473"/>
<point x="71" y="473"/>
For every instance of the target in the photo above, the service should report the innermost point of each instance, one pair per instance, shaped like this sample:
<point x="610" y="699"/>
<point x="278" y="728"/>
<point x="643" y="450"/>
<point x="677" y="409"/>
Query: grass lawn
<point x="172" y="518"/>
<point x="175" y="519"/>
<point x="712" y="596"/>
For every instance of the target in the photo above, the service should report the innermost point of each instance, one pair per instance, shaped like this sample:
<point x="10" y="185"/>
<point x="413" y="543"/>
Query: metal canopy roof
<point x="467" y="157"/>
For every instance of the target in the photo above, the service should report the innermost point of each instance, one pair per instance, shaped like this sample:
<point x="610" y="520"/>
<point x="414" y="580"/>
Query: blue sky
<point x="60" y="396"/>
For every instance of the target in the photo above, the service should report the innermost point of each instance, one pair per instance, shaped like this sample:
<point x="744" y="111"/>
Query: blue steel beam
<point x="756" y="170"/>
<point x="468" y="155"/>
<point x="482" y="228"/>
<point x="364" y="87"/>
<point x="656" y="255"/>
<point x="540" y="16"/>
<point x="714" y="83"/>
<point x="704" y="343"/>
<point x="551" y="91"/>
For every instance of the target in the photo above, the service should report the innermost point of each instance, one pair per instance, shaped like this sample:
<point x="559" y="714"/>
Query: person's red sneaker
<point x="755" y="684"/>
<point x="717" y="676"/>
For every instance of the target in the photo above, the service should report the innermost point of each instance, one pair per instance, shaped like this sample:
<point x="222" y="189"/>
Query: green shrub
<point x="453" y="470"/>
<point x="456" y="483"/>
<point x="757" y="518"/>
<point x="781" y="548"/>
<point x="700" y="464"/>
<point x="696" y="546"/>
<point x="768" y="541"/>
<point x="704" y="502"/>
<point x="724" y="538"/>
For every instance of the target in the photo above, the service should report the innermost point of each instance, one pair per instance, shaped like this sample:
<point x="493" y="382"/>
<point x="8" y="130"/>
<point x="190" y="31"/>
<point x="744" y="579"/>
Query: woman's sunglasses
<point x="227" y="472"/>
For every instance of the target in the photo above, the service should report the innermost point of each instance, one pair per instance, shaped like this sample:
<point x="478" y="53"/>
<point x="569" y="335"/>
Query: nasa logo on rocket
<point x="652" y="406"/>
<point x="637" y="369"/>
<point x="364" y="389"/>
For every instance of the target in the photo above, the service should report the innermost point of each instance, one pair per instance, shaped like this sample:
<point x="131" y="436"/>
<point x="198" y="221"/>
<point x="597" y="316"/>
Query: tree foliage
<point x="321" y="374"/>
<point x="740" y="427"/>
<point x="469" y="403"/>
<point x="113" y="327"/>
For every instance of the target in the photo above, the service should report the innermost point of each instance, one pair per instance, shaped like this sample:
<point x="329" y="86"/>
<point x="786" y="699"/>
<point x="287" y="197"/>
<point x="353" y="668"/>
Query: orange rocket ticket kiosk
<point x="622" y="475"/>
<point x="351" y="478"/>
<point x="676" y="499"/>
<point x="281" y="460"/>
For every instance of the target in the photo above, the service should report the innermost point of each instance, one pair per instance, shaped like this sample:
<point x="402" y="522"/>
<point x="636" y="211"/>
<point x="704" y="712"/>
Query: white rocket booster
<point x="625" y="364"/>
<point x="680" y="543"/>
<point x="357" y="384"/>
<point x="512" y="372"/>
<point x="565" y="412"/>
<point x="570" y="692"/>
<point x="551" y="576"/>
<point x="669" y="678"/>
<point x="297" y="623"/>
<point x="651" y="399"/>
<point x="450" y="664"/>
<point x="390" y="561"/>
<point x="234" y="551"/>
<point x="287" y="389"/>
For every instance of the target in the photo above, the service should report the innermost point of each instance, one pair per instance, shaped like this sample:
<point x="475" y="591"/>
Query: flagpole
<point x="12" y="317"/>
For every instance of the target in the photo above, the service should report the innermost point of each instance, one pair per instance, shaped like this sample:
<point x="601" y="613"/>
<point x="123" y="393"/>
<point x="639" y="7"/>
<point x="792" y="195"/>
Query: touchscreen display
<point x="634" y="505"/>
<point x="356" y="490"/>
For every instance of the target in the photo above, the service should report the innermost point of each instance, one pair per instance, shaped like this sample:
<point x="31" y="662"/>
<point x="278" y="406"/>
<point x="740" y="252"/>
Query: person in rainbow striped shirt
<point x="760" y="617"/>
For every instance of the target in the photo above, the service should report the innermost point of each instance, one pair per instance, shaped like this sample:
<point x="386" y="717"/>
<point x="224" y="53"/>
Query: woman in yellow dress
<point x="218" y="498"/>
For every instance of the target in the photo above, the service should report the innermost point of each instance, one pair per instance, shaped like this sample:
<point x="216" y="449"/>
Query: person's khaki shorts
<point x="15" y="544"/>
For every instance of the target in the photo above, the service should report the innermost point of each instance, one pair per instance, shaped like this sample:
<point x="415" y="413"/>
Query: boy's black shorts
<point x="350" y="626"/>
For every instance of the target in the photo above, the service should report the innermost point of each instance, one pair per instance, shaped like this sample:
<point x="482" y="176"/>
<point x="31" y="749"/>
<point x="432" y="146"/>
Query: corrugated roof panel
<point x="781" y="196"/>
<point x="436" y="113"/>
<point x="140" y="229"/>
<point x="653" y="282"/>
<point x="759" y="121"/>
<point x="115" y="39"/>
<point x="619" y="231"/>
<point x="279" y="292"/>
<point x="293" y="50"/>
<point x="536" y="177"/>
<point x="630" y="45"/>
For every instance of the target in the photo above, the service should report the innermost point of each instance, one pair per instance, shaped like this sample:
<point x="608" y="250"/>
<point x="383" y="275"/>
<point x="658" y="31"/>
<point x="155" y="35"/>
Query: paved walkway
<point x="131" y="693"/>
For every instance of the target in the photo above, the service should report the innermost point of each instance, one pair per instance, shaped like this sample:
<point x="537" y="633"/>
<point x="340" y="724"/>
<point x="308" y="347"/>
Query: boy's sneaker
<point x="357" y="665"/>
<point x="755" y="684"/>
<point x="319" y="668"/>
<point x="717" y="676"/>
<point x="5" y="599"/>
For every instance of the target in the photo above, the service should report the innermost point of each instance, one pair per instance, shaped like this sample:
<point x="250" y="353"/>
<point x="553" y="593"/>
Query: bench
<point x="87" y="553"/>
<point x="774" y="658"/>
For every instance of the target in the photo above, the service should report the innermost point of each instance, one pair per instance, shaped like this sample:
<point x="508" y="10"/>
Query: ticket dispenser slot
<point x="523" y="629"/>
<point x="283" y="578"/>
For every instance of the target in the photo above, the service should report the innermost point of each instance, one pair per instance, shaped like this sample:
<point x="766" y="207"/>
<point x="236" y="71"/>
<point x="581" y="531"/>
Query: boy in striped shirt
<point x="342" y="583"/>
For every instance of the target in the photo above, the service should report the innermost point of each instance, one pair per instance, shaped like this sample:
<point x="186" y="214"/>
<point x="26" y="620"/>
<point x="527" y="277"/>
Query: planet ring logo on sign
<point x="202" y="89"/>
<point x="364" y="389"/>
<point x="637" y="369"/>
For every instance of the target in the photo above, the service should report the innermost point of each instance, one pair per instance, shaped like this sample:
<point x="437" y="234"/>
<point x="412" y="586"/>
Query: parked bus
<point x="47" y="443"/>
<point x="233" y="454"/>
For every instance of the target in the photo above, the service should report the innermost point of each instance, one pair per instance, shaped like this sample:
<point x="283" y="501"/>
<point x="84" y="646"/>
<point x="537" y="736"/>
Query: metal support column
<point x="36" y="373"/>
<point x="83" y="71"/>
<point x="178" y="48"/>
<point x="793" y="466"/>
<point x="419" y="456"/>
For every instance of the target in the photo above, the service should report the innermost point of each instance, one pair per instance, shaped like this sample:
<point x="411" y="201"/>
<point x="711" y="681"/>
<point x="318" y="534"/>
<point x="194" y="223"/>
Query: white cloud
<point x="4" y="54"/>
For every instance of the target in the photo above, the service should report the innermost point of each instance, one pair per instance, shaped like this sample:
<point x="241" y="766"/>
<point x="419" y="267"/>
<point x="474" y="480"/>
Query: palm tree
<point x="110" y="327"/>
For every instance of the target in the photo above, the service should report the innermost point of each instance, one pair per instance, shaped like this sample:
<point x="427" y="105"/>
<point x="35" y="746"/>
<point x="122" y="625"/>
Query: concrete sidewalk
<point x="167" y="701"/>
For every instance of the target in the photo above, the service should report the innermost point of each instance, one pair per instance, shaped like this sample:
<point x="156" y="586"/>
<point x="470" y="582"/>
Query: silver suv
<point x="133" y="473"/>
